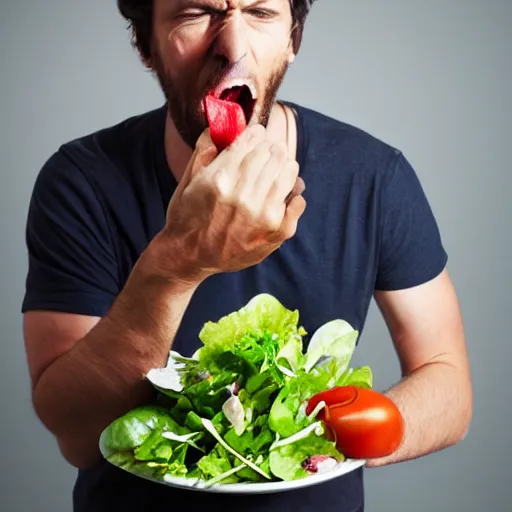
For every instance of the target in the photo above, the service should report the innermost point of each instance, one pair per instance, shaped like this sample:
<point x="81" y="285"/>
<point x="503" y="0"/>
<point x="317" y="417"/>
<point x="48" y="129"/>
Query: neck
<point x="281" y="129"/>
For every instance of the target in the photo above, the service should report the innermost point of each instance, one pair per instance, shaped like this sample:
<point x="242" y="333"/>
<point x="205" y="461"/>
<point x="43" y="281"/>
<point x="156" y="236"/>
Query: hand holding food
<point x="232" y="209"/>
<point x="364" y="423"/>
<point x="227" y="121"/>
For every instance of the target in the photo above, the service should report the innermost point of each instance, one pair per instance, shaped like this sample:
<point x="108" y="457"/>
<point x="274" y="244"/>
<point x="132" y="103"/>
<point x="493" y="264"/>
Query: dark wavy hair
<point x="139" y="14"/>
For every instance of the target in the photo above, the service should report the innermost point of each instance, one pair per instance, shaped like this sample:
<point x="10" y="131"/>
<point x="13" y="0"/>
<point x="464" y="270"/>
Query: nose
<point x="231" y="42"/>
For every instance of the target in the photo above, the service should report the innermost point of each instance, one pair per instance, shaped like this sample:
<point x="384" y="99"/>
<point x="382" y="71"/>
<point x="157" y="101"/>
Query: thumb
<point x="204" y="154"/>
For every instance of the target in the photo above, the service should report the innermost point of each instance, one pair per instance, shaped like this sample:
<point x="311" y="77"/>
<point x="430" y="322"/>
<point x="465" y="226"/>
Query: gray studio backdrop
<point x="432" y="78"/>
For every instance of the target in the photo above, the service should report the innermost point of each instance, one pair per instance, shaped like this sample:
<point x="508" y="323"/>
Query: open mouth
<point x="228" y="112"/>
<point x="242" y="95"/>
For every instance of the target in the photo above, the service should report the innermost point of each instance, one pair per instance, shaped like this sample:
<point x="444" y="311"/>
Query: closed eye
<point x="262" y="13"/>
<point x="194" y="14"/>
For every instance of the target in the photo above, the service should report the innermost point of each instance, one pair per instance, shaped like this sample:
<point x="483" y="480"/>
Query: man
<point x="140" y="233"/>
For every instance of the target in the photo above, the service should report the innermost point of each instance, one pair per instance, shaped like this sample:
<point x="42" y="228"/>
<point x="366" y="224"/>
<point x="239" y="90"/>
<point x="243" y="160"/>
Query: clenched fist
<point x="231" y="210"/>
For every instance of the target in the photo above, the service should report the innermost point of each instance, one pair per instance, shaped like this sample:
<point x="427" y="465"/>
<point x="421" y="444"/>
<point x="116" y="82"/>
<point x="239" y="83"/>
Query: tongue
<point x="226" y="120"/>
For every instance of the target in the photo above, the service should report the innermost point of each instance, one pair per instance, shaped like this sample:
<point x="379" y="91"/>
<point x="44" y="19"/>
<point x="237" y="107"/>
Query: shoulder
<point x="327" y="128"/>
<point x="341" y="143"/>
<point x="95" y="174"/>
<point x="103" y="156"/>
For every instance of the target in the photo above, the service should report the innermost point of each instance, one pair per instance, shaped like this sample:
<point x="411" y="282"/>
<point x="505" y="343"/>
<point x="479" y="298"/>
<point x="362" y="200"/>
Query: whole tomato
<point x="364" y="423"/>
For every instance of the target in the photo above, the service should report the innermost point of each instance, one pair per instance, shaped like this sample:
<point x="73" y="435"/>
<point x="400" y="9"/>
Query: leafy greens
<point x="235" y="410"/>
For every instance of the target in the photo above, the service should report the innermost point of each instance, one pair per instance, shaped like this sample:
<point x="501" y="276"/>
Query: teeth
<point x="239" y="82"/>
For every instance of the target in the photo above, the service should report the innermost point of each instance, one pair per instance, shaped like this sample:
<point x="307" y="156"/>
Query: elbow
<point x="465" y="415"/>
<point x="74" y="449"/>
<point x="458" y="404"/>
<point x="466" y="424"/>
<point x="461" y="432"/>
<point x="78" y="458"/>
<point x="43" y="409"/>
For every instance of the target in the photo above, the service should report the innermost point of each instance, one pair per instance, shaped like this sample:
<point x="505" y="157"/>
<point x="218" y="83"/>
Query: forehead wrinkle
<point x="182" y="4"/>
<point x="222" y="4"/>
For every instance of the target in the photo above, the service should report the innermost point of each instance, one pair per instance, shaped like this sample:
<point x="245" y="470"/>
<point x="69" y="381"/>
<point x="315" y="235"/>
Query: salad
<point x="235" y="412"/>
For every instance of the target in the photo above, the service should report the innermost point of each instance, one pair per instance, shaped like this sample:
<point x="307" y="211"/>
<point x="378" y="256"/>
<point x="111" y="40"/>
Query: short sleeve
<point x="411" y="250"/>
<point x="71" y="258"/>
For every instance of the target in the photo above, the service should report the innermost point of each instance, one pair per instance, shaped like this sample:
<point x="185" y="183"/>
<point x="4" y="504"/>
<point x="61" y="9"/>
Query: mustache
<point x="220" y="71"/>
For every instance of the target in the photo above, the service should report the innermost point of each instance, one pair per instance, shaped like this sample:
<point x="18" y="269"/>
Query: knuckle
<point x="220" y="184"/>
<point x="278" y="150"/>
<point x="260" y="152"/>
<point x="294" y="167"/>
<point x="252" y="135"/>
<point x="263" y="146"/>
<point x="291" y="169"/>
<point x="289" y="231"/>
<point x="246" y="207"/>
<point x="236" y="146"/>
<point x="256" y="132"/>
<point x="271" y="218"/>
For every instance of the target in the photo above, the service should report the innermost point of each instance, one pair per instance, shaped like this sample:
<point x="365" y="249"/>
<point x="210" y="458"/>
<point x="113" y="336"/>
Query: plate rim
<point x="190" y="484"/>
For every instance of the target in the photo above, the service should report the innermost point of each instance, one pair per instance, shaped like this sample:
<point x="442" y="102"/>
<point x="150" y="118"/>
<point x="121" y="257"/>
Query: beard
<point x="184" y="98"/>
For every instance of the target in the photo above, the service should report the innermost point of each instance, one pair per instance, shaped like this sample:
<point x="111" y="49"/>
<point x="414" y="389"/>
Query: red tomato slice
<point x="364" y="423"/>
<point x="226" y="120"/>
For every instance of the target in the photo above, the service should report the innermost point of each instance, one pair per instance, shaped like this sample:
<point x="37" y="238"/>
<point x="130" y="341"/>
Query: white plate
<point x="340" y="469"/>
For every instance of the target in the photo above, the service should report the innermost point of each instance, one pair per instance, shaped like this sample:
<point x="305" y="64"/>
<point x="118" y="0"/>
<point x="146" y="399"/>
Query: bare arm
<point x="88" y="371"/>
<point x="435" y="393"/>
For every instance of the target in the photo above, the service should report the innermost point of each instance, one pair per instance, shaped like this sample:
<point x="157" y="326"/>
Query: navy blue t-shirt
<point x="99" y="200"/>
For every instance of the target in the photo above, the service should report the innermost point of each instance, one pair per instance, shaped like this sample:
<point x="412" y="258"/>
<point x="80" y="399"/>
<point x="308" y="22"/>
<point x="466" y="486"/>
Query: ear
<point x="296" y="38"/>
<point x="292" y="53"/>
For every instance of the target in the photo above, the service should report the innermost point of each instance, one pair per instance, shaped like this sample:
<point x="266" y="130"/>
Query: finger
<point x="225" y="170"/>
<point x="231" y="158"/>
<point x="270" y="172"/>
<point x="251" y="169"/>
<point x="283" y="186"/>
<point x="298" y="189"/>
<point x="294" y="211"/>
<point x="204" y="154"/>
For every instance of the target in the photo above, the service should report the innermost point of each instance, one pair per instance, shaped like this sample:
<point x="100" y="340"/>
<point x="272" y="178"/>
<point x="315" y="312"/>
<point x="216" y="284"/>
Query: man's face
<point x="200" y="46"/>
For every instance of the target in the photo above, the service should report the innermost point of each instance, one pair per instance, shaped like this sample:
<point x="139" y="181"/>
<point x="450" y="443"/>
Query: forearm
<point x="102" y="376"/>
<point x="435" y="403"/>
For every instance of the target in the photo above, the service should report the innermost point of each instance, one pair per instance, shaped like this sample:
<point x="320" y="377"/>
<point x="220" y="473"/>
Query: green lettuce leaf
<point x="262" y="315"/>
<point x="334" y="372"/>
<point x="361" y="377"/>
<point x="216" y="463"/>
<point x="126" y="461"/>
<point x="286" y="462"/>
<point x="208" y="396"/>
<point x="133" y="428"/>
<point x="287" y="414"/>
<point x="291" y="351"/>
<point x="337" y="339"/>
<point x="253" y="442"/>
<point x="137" y="442"/>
